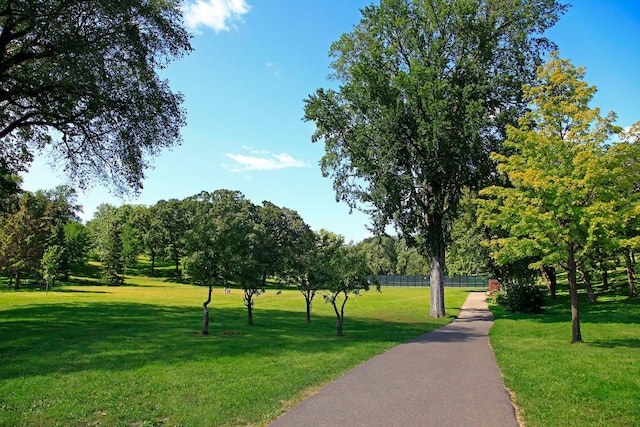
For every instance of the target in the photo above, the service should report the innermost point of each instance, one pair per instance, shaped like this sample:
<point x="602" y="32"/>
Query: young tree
<point x="317" y="268"/>
<point x="51" y="261"/>
<point x="80" y="83"/>
<point x="426" y="87"/>
<point x="562" y="192"/>
<point x="351" y="275"/>
<point x="113" y="260"/>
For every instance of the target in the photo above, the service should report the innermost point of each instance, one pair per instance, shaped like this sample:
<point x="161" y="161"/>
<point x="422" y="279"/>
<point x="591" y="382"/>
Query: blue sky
<point x="256" y="60"/>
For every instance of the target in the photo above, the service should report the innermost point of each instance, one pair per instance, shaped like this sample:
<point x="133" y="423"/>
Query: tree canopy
<point x="426" y="88"/>
<point x="566" y="179"/>
<point x="80" y="84"/>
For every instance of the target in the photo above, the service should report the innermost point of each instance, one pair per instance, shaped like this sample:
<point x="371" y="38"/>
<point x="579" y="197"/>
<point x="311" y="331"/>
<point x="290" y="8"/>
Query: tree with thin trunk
<point x="426" y="88"/>
<point x="351" y="275"/>
<point x="316" y="268"/>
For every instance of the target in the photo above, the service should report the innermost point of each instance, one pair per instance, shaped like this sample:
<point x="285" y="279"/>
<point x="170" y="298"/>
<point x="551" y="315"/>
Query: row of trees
<point x="218" y="239"/>
<point x="570" y="194"/>
<point x="222" y="238"/>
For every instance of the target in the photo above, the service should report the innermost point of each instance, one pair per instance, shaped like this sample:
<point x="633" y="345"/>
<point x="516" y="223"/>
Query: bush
<point x="522" y="296"/>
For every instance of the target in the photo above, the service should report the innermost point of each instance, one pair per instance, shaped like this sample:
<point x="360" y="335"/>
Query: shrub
<point x="522" y="296"/>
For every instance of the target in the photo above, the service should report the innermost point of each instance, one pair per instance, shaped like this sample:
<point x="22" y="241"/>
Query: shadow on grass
<point x="617" y="310"/>
<point x="76" y="337"/>
<point x="630" y="342"/>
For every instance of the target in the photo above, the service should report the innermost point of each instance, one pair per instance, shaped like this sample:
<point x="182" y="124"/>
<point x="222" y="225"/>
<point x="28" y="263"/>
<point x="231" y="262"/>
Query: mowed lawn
<point x="134" y="355"/>
<point x="595" y="383"/>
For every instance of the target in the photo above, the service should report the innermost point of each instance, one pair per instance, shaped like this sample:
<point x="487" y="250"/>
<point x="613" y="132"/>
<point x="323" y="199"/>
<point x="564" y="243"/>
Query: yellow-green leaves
<point x="568" y="184"/>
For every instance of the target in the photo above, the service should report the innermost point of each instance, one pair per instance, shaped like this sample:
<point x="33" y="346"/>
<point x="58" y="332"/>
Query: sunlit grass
<point x="595" y="383"/>
<point x="134" y="355"/>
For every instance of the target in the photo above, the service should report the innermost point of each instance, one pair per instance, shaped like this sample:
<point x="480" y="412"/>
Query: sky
<point x="255" y="61"/>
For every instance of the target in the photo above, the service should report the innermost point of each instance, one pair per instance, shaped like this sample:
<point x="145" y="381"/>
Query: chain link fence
<point x="423" y="281"/>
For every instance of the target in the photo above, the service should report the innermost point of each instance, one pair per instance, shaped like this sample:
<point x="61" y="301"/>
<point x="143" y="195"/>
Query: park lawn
<point x="556" y="383"/>
<point x="134" y="355"/>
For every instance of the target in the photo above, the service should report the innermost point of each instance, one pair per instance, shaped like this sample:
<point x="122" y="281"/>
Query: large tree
<point x="79" y="82"/>
<point x="426" y="88"/>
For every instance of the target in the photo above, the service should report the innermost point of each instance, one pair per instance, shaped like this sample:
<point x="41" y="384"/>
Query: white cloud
<point x="275" y="70"/>
<point x="262" y="160"/>
<point x="215" y="14"/>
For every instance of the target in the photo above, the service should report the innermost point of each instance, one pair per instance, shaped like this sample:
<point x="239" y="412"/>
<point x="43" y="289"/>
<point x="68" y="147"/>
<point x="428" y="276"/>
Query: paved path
<point x="448" y="377"/>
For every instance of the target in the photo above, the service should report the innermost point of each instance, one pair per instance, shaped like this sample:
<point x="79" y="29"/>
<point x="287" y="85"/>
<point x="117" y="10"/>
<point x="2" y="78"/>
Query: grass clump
<point x="555" y="383"/>
<point x="134" y="356"/>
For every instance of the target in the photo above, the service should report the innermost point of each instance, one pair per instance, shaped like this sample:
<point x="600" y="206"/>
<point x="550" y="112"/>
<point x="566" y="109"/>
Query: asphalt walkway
<point x="447" y="377"/>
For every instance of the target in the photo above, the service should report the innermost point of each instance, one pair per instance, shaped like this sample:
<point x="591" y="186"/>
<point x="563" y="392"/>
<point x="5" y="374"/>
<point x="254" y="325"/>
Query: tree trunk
<point x="576" y="335"/>
<point x="339" y="313"/>
<point x="587" y="285"/>
<point x="17" y="283"/>
<point x="605" y="279"/>
<point x="176" y="258"/>
<point x="631" y="273"/>
<point x="250" y="310"/>
<point x="549" y="275"/>
<point x="436" y="279"/>
<point x="341" y="319"/>
<point x="205" y="306"/>
<point x="153" y="263"/>
<point x="308" y="309"/>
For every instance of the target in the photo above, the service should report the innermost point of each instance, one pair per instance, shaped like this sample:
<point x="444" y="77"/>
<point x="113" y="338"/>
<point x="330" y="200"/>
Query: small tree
<point x="352" y="275"/>
<point x="51" y="263"/>
<point x="316" y="268"/>
<point x="113" y="258"/>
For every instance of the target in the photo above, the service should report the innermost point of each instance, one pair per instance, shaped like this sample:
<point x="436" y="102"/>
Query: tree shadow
<point x="38" y="340"/>
<point x="629" y="342"/>
<point x="625" y="310"/>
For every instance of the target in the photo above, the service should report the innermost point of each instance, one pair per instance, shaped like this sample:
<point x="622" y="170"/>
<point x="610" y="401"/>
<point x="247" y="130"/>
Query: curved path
<point x="447" y="377"/>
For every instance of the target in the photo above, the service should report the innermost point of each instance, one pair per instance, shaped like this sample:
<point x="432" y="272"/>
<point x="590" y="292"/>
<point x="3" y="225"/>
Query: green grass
<point x="595" y="383"/>
<point x="133" y="355"/>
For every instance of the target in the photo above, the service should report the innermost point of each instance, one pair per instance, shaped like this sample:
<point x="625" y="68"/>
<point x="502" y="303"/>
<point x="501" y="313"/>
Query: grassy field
<point x="134" y="355"/>
<point x="595" y="383"/>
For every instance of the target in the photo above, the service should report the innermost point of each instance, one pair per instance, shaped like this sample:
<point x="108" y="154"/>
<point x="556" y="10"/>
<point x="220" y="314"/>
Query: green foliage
<point x="113" y="261"/>
<point x="77" y="243"/>
<point x="51" y="263"/>
<point x="563" y="201"/>
<point x="466" y="255"/>
<point x="350" y="276"/>
<point x="381" y="254"/>
<point x="80" y="84"/>
<point x="522" y="296"/>
<point x="415" y="116"/>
